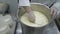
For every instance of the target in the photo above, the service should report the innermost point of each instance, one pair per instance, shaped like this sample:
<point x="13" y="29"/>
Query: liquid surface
<point x="40" y="20"/>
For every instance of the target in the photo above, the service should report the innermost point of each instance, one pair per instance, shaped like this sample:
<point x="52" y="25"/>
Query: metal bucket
<point x="36" y="7"/>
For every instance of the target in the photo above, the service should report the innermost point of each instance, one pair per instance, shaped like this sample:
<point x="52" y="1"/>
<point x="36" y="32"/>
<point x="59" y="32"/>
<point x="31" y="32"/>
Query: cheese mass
<point x="40" y="20"/>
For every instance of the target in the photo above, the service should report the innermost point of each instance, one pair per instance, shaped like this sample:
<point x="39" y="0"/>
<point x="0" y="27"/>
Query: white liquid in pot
<point x="40" y="20"/>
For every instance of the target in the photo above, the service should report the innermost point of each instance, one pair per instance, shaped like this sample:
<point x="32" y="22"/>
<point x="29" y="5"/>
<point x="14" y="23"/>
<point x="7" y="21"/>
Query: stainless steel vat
<point x="36" y="7"/>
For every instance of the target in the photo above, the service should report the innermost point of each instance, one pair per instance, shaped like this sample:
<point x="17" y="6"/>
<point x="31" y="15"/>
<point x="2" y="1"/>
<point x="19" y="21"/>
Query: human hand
<point x="53" y="12"/>
<point x="31" y="16"/>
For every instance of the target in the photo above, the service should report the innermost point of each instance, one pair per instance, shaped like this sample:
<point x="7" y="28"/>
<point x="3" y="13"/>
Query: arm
<point x="26" y="5"/>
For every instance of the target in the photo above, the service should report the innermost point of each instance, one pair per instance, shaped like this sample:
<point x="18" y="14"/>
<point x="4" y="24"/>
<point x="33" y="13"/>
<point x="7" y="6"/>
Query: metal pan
<point x="34" y="30"/>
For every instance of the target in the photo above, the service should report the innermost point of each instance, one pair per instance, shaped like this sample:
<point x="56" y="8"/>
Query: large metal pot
<point x="36" y="7"/>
